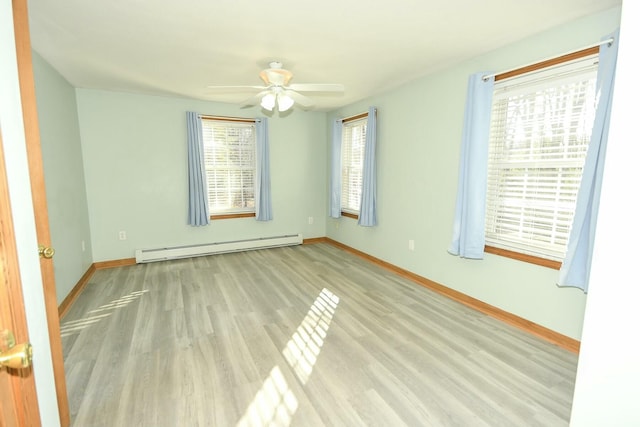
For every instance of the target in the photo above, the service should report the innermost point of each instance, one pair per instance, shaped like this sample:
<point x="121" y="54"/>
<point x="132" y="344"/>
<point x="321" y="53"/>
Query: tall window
<point x="230" y="165"/>
<point x="353" y="141"/>
<point x="540" y="130"/>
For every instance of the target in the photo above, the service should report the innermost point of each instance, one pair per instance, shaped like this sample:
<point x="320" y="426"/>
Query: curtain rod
<point x="228" y="119"/>
<point x="608" y="41"/>
<point x="357" y="116"/>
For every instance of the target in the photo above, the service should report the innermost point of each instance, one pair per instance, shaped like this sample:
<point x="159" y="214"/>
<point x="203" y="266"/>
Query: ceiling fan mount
<point x="278" y="90"/>
<point x="276" y="75"/>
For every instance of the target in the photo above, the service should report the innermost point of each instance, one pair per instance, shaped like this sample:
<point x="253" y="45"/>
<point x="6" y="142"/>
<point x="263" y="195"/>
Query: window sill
<point x="235" y="215"/>
<point x="523" y="257"/>
<point x="349" y="215"/>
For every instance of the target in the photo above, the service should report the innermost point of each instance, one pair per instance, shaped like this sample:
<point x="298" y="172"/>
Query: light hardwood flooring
<point x="303" y="336"/>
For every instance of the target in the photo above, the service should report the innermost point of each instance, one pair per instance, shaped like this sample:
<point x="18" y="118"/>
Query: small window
<point x="353" y="141"/>
<point x="230" y="165"/>
<point x="540" y="131"/>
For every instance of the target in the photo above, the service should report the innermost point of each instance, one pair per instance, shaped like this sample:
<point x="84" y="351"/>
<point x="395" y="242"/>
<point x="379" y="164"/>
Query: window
<point x="540" y="130"/>
<point x="353" y="141"/>
<point x="230" y="165"/>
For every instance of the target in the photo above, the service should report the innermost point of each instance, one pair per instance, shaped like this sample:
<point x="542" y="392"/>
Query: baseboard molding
<point x="314" y="240"/>
<point x="69" y="299"/>
<point x="114" y="263"/>
<point x="547" y="334"/>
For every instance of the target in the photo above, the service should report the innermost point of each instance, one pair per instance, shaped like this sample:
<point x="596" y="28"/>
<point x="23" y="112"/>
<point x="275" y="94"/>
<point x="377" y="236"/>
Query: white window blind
<point x="353" y="140"/>
<point x="230" y="165"/>
<point x="540" y="130"/>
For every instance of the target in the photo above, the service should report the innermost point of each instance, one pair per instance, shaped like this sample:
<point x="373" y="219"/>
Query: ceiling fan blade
<point x="316" y="87"/>
<point x="255" y="99"/>
<point x="299" y="99"/>
<point x="237" y="88"/>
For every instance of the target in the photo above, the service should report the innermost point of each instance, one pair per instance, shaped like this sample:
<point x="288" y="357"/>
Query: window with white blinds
<point x="230" y="165"/>
<point x="353" y="139"/>
<point x="540" y="130"/>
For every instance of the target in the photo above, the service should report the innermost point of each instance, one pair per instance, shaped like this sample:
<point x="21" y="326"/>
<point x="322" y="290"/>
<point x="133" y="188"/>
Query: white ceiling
<point x="178" y="48"/>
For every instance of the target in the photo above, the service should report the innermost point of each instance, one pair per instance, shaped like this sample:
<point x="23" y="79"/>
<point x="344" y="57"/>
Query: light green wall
<point x="134" y="165"/>
<point x="419" y="130"/>
<point x="64" y="176"/>
<point x="135" y="159"/>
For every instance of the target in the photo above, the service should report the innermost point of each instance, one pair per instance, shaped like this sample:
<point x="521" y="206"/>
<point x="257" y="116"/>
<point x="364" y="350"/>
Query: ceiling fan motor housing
<point x="276" y="75"/>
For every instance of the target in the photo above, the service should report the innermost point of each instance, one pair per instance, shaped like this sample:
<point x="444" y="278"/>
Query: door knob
<point x="12" y="355"/>
<point x="17" y="357"/>
<point x="46" y="251"/>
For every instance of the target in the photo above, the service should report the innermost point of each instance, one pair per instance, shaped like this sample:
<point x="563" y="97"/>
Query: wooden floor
<point x="303" y="336"/>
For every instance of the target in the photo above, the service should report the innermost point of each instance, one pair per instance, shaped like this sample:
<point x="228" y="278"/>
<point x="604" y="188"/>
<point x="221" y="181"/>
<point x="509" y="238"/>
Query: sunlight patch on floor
<point x="273" y="405"/>
<point x="120" y="302"/>
<point x="303" y="348"/>
<point x="75" y="326"/>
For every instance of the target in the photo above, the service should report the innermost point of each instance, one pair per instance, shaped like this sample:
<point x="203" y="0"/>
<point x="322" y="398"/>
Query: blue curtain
<point x="336" y="170"/>
<point x="368" y="215"/>
<point x="263" y="172"/>
<point x="576" y="267"/>
<point x="198" y="200"/>
<point x="468" y="223"/>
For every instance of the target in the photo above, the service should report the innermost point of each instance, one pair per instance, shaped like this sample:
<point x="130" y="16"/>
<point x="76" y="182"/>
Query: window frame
<point x="246" y="213"/>
<point x="352" y="121"/>
<point x="520" y="256"/>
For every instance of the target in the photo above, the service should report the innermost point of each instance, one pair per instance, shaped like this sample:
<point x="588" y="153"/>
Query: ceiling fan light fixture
<point x="268" y="102"/>
<point x="277" y="90"/>
<point x="284" y="102"/>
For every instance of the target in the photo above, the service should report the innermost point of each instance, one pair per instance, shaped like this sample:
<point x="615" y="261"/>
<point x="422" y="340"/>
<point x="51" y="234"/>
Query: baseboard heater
<point x="176" y="252"/>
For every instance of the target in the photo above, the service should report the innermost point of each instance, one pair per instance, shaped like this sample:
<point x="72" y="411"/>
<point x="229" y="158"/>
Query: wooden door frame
<point x="36" y="172"/>
<point x="16" y="386"/>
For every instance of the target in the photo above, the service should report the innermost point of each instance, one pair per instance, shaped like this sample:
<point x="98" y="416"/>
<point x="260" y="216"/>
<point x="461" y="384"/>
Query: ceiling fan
<point x="278" y="90"/>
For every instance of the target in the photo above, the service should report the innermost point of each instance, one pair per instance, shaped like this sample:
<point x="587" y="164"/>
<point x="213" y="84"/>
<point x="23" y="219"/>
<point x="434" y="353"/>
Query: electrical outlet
<point x="82" y="245"/>
<point x="412" y="245"/>
<point x="122" y="235"/>
<point x="310" y="220"/>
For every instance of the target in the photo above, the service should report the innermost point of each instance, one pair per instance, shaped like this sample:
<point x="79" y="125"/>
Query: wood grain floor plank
<point x="303" y="336"/>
